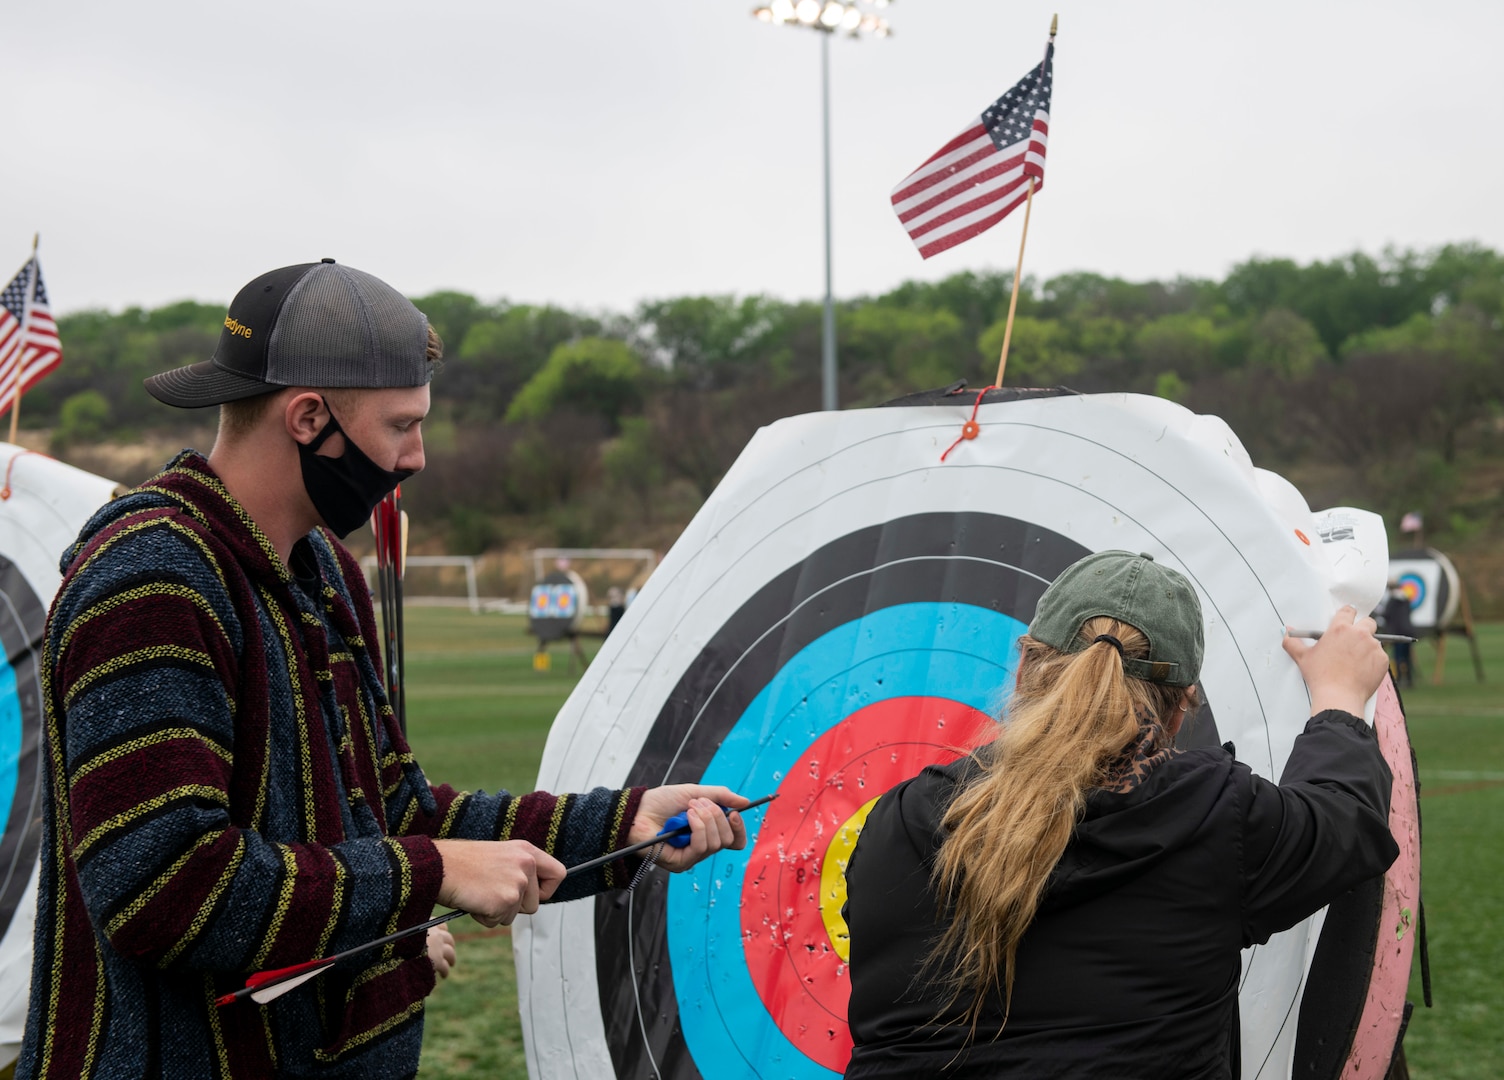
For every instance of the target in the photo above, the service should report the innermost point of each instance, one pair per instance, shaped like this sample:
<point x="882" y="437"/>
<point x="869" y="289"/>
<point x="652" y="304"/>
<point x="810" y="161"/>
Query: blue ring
<point x="11" y="727"/>
<point x="1420" y="588"/>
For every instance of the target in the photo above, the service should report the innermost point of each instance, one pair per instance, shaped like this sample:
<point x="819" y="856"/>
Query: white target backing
<point x="839" y="583"/>
<point x="43" y="504"/>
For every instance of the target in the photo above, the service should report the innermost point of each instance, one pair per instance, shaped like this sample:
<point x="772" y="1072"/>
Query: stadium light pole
<point x="830" y="17"/>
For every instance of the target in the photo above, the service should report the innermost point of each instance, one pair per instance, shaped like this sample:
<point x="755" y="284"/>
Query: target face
<point x="877" y="675"/>
<point x="555" y="605"/>
<point x="1429" y="581"/>
<point x="843" y="612"/>
<point x="552" y="602"/>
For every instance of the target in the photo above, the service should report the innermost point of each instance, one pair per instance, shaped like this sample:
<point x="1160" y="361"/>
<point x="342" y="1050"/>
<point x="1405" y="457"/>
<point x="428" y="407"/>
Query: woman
<point x="1071" y="899"/>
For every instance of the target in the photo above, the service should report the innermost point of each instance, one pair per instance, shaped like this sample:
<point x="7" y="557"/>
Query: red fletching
<point x="386" y="523"/>
<point x="262" y="978"/>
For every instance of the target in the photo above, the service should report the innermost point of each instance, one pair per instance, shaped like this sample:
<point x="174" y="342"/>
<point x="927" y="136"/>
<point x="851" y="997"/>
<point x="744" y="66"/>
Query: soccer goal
<point x="418" y="599"/>
<point x="545" y="559"/>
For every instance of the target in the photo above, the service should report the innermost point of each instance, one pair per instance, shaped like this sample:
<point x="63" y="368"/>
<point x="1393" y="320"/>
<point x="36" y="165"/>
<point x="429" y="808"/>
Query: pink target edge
<point x="1379" y="1026"/>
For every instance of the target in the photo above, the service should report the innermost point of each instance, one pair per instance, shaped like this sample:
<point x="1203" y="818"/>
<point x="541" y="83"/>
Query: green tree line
<point x="591" y="425"/>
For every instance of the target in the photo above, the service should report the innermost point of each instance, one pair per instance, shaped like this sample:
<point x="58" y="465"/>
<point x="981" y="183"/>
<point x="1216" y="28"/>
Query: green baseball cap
<point x="1133" y="589"/>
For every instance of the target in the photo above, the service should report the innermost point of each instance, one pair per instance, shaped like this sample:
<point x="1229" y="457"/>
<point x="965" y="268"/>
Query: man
<point x="229" y="790"/>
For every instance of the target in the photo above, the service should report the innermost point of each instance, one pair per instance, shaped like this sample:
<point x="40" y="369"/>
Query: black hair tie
<point x="1114" y="642"/>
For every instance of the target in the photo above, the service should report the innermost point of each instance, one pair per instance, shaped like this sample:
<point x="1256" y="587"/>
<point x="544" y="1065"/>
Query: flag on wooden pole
<point x="975" y="180"/>
<point x="29" y="345"/>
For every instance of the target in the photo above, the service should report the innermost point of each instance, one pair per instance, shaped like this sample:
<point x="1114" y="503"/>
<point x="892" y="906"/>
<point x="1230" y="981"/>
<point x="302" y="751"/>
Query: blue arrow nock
<point x="676" y="829"/>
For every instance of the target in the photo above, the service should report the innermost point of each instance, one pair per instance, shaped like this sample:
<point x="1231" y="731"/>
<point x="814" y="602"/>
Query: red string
<point x="5" y="492"/>
<point x="970" y="429"/>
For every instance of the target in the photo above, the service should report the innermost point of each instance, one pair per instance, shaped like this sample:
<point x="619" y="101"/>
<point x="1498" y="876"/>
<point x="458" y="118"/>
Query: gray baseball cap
<point x="314" y="324"/>
<point x="1133" y="589"/>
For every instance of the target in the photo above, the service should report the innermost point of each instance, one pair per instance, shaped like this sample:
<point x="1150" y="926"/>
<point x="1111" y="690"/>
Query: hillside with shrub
<point x="1370" y="380"/>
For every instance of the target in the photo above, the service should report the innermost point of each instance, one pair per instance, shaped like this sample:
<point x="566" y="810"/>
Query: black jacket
<point x="1131" y="966"/>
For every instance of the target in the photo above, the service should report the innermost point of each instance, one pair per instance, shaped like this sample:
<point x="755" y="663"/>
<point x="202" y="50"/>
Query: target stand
<point x="1465" y="628"/>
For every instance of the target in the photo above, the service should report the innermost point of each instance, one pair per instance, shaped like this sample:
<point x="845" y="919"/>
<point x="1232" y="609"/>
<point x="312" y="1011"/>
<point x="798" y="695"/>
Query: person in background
<point x="1071" y="899"/>
<point x="228" y="789"/>
<point x="1396" y="616"/>
<point x="616" y="607"/>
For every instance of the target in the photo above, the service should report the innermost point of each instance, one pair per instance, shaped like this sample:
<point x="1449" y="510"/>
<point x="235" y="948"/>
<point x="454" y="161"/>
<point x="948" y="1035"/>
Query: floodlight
<point x="851" y="18"/>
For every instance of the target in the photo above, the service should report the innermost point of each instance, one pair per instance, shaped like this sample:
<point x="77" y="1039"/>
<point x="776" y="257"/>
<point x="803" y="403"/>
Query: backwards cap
<point x="314" y="324"/>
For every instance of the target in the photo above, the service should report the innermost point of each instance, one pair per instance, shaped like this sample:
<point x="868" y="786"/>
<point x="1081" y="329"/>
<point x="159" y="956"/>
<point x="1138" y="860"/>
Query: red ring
<point x="796" y="971"/>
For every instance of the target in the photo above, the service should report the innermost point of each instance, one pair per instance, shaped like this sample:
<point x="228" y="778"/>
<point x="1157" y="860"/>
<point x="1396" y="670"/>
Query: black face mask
<point x="345" y="489"/>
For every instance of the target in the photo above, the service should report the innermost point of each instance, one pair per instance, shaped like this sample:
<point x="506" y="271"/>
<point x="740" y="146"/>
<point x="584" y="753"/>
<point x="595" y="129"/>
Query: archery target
<point x="841" y="596"/>
<point x="555" y="605"/>
<point x="1429" y="581"/>
<point x="43" y="504"/>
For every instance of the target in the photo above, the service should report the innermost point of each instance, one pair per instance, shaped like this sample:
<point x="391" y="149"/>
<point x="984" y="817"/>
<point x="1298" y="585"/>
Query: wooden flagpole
<point x="1018" y="273"/>
<point x="1018" y="270"/>
<point x="15" y="402"/>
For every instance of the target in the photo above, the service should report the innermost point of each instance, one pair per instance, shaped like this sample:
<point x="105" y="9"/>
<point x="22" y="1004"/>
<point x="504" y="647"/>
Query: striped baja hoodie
<point x="228" y="792"/>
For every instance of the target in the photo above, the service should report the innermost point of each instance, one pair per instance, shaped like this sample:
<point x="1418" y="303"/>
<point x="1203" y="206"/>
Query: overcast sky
<point x="596" y="153"/>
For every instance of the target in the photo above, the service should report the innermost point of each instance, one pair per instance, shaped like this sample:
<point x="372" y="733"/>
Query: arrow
<point x="389" y="524"/>
<point x="267" y="986"/>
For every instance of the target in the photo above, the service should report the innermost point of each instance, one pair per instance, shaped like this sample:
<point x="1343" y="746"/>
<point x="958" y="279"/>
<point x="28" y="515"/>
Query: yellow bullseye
<point x="833" y="879"/>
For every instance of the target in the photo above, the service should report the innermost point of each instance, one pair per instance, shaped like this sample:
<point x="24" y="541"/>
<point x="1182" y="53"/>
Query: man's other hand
<point x="441" y="950"/>
<point x="710" y="828"/>
<point x="494" y="880"/>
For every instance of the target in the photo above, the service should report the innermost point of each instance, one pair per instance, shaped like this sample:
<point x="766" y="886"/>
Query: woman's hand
<point x="710" y="828"/>
<point x="1344" y="667"/>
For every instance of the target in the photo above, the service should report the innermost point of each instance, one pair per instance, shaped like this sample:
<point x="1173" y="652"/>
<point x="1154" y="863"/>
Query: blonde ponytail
<point x="1070" y="716"/>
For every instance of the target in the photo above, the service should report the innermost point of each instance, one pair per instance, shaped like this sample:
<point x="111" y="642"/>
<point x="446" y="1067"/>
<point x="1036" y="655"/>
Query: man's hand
<point x="1344" y="668"/>
<point x="710" y="828"/>
<point x="441" y="950"/>
<point x="494" y="880"/>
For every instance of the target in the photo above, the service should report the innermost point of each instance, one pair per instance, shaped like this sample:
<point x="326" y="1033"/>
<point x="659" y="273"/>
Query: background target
<point x="842" y="583"/>
<point x="555" y="605"/>
<point x="1429" y="581"/>
<point x="42" y="509"/>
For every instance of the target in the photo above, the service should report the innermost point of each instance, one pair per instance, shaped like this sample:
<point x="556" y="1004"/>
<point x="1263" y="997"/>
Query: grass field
<point x="479" y="716"/>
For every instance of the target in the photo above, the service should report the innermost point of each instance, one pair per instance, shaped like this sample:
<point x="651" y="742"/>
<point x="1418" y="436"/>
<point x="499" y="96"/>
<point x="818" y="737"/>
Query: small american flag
<point x="975" y="180"/>
<point x="29" y="345"/>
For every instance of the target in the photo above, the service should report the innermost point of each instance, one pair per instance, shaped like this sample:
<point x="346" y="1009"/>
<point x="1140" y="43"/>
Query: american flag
<point x="29" y="346"/>
<point x="975" y="180"/>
